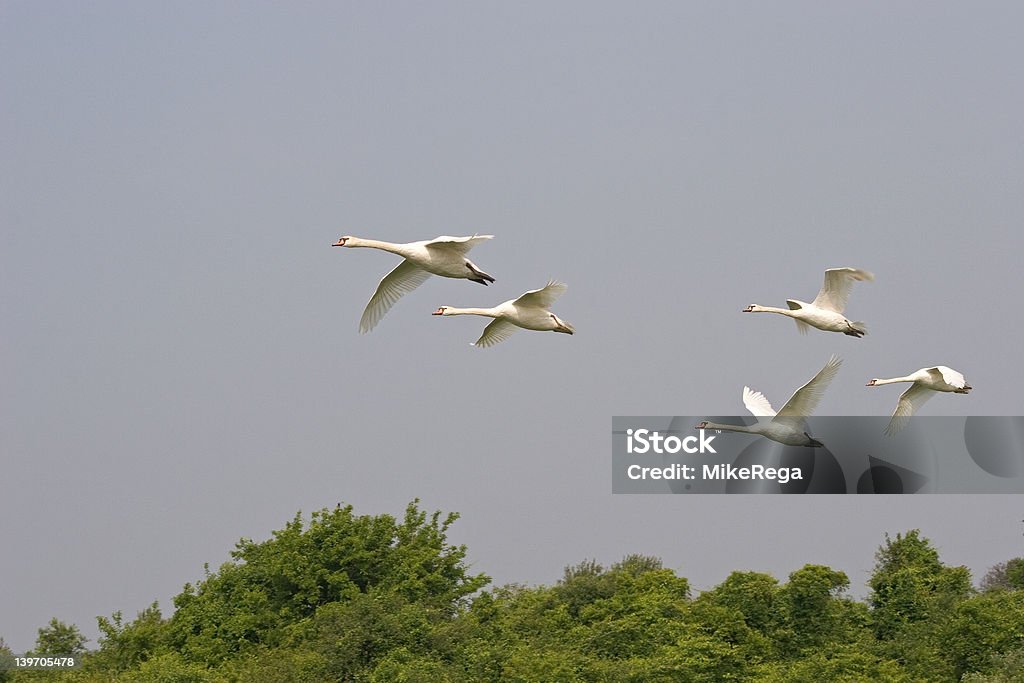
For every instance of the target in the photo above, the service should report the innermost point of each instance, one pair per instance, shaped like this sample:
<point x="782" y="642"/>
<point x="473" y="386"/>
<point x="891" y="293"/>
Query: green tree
<point x="403" y="666"/>
<point x="839" y="664"/>
<point x="58" y="638"/>
<point x="169" y="667"/>
<point x="623" y="623"/>
<point x="813" y="610"/>
<point x="1015" y="573"/>
<point x="354" y="636"/>
<point x="514" y="633"/>
<point x="123" y="646"/>
<point x="983" y="626"/>
<point x="910" y="584"/>
<point x="754" y="595"/>
<point x="643" y="611"/>
<point x="276" y="665"/>
<point x="582" y="585"/>
<point x="1006" y="667"/>
<point x="1007" y="575"/>
<point x="6" y="656"/>
<point x="912" y="598"/>
<point x="269" y="586"/>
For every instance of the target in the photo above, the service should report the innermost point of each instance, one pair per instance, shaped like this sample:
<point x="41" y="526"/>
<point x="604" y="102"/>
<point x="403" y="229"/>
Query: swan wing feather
<point x="835" y="292"/>
<point x="458" y="245"/>
<point x="405" y="277"/>
<point x="543" y="297"/>
<point x="805" y="399"/>
<point x="801" y="326"/>
<point x="757" y="403"/>
<point x="949" y="376"/>
<point x="910" y="402"/>
<point x="498" y="330"/>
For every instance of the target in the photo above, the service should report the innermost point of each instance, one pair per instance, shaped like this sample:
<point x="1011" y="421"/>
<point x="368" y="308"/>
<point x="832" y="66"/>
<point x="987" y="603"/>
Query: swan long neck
<point x="771" y="309"/>
<point x="729" y="428"/>
<point x="892" y="380"/>
<point x="489" y="312"/>
<point x="377" y="244"/>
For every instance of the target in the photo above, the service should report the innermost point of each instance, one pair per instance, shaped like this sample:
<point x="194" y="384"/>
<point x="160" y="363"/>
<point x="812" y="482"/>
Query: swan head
<point x="871" y="383"/>
<point x="702" y="425"/>
<point x="443" y="310"/>
<point x="342" y="241"/>
<point x="751" y="308"/>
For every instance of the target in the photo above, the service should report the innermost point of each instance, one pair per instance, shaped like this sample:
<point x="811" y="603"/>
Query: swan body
<point x="924" y="383"/>
<point x="529" y="311"/>
<point x="826" y="311"/>
<point x="782" y="433"/>
<point x="787" y="426"/>
<point x="444" y="256"/>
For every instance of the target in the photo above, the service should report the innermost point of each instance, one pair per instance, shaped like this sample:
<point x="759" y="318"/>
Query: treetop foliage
<point x="369" y="599"/>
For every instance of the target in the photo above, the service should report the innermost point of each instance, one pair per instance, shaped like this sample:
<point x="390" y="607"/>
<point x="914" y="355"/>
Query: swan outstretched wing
<point x="910" y="401"/>
<point x="805" y="399"/>
<point x="459" y="245"/>
<point x="543" y="297"/>
<point x="949" y="376"/>
<point x="801" y="326"/>
<point x="836" y="290"/>
<point x="757" y="403"/>
<point x="403" y="279"/>
<point x="498" y="330"/>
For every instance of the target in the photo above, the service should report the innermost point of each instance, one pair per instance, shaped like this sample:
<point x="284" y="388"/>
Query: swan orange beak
<point x="339" y="243"/>
<point x="439" y="311"/>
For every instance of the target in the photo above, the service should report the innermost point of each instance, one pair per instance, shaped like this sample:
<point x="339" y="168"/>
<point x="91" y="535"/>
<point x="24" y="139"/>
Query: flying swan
<point x="444" y="256"/>
<point x="826" y="311"/>
<point x="926" y="382"/>
<point x="789" y="425"/>
<point x="529" y="311"/>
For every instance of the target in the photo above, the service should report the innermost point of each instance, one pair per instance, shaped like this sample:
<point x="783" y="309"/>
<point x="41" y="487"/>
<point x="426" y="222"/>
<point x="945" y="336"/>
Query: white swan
<point x="926" y="382"/>
<point x="788" y="426"/>
<point x="826" y="311"/>
<point x="444" y="256"/>
<point x="529" y="311"/>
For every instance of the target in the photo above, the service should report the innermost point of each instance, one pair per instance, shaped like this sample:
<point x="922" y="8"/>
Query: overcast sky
<point x="181" y="365"/>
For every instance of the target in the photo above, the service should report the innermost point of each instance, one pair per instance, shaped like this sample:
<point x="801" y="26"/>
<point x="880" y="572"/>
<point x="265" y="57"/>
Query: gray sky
<point x="181" y="364"/>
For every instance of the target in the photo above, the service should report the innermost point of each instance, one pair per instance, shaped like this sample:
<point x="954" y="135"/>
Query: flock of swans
<point x="446" y="256"/>
<point x="788" y="426"/>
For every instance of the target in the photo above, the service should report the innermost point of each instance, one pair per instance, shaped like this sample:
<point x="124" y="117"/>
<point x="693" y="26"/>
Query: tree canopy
<point x="368" y="599"/>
